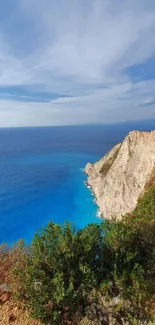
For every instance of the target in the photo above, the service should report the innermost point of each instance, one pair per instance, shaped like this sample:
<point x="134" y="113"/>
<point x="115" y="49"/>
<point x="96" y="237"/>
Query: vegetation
<point x="107" y="165"/>
<point x="102" y="272"/>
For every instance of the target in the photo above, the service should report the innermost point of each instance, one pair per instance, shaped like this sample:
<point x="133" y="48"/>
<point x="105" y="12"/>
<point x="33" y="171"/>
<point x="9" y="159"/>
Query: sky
<point x="66" y="62"/>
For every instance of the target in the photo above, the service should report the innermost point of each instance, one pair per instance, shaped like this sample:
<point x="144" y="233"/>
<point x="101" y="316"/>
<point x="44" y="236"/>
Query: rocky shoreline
<point x="99" y="215"/>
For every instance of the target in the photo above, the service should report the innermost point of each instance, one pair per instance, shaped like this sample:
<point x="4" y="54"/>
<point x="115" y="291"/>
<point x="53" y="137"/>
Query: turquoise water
<point x="42" y="182"/>
<point x="42" y="179"/>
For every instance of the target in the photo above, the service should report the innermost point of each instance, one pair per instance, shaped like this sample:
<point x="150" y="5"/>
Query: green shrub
<point x="62" y="271"/>
<point x="114" y="259"/>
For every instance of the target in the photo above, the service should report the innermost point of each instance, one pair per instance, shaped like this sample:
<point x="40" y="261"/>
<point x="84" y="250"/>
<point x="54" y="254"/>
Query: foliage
<point x="9" y="259"/>
<point x="67" y="272"/>
<point x="107" y="165"/>
<point x="62" y="271"/>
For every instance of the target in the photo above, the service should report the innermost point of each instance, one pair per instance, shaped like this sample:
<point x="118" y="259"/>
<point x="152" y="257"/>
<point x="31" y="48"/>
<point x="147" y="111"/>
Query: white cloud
<point x="80" y="49"/>
<point x="148" y="101"/>
<point x="116" y="104"/>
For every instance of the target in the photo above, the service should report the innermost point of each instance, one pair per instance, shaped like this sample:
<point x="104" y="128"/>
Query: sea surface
<point x="42" y="179"/>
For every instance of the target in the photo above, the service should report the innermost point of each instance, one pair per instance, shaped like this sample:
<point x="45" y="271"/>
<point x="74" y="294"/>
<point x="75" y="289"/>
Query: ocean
<point x="42" y="179"/>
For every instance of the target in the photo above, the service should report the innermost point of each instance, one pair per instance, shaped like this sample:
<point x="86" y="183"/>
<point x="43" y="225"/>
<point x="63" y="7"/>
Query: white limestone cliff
<point x="122" y="175"/>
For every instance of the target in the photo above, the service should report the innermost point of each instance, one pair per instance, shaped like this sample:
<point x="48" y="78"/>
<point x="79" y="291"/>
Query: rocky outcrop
<point x="122" y="175"/>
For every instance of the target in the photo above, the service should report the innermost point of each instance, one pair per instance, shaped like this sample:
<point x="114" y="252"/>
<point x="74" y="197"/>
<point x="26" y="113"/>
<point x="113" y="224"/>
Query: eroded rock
<point x="122" y="175"/>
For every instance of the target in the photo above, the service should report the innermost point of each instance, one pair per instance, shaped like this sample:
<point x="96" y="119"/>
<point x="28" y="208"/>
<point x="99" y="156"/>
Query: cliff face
<point x="121" y="176"/>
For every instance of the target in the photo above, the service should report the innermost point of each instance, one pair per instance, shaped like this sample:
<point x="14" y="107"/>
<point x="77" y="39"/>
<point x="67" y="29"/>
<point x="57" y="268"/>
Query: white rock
<point x="121" y="176"/>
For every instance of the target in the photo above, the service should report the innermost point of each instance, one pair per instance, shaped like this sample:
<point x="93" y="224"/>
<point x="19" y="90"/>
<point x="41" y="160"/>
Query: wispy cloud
<point x="67" y="62"/>
<point x="148" y="102"/>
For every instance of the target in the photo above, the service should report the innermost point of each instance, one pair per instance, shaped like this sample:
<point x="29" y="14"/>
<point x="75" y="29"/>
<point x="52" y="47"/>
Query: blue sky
<point x="69" y="62"/>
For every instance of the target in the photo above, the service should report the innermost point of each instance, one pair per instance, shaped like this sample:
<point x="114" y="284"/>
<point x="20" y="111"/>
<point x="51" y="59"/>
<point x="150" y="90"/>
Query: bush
<point x="62" y="271"/>
<point x="10" y="259"/>
<point x="67" y="272"/>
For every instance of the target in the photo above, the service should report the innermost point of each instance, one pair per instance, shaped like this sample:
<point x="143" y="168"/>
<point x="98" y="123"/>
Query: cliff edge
<point x="122" y="175"/>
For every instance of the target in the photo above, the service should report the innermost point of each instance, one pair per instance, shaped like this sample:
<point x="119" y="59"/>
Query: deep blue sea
<point x="41" y="175"/>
